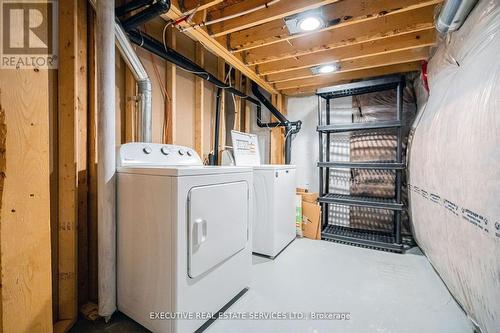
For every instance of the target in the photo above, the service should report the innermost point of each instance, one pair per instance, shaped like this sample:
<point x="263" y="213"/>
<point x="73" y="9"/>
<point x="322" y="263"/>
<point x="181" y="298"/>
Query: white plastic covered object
<point x="454" y="166"/>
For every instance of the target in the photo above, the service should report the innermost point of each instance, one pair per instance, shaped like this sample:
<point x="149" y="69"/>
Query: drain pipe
<point x="143" y="83"/>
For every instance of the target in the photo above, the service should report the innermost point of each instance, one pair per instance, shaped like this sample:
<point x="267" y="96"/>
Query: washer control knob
<point x="147" y="150"/>
<point x="165" y="151"/>
<point x="189" y="153"/>
<point x="181" y="152"/>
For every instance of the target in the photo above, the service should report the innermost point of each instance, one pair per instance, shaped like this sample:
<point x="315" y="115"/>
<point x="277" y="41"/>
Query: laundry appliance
<point x="183" y="236"/>
<point x="273" y="225"/>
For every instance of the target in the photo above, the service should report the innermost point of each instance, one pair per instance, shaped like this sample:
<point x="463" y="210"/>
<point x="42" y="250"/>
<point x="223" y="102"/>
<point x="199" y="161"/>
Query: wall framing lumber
<point x="221" y="73"/>
<point x="199" y="102"/>
<point x="26" y="99"/>
<point x="277" y="139"/>
<point x="68" y="134"/>
<point x="171" y="86"/>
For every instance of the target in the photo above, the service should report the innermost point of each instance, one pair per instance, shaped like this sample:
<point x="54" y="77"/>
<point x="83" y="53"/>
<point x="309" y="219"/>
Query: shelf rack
<point x="388" y="241"/>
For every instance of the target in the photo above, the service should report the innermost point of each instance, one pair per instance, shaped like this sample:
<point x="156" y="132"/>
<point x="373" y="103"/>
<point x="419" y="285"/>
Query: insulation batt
<point x="454" y="165"/>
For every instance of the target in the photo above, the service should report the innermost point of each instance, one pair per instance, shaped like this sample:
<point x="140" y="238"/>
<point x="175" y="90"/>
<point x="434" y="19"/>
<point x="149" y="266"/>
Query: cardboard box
<point x="311" y="197"/>
<point x="311" y="220"/>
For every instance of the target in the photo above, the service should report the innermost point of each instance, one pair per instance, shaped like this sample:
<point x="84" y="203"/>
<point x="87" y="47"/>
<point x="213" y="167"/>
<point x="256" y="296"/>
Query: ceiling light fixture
<point x="305" y="22"/>
<point x="310" y="23"/>
<point x="325" y="69"/>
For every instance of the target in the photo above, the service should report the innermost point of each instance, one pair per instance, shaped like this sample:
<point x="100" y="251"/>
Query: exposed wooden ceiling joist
<point x="276" y="11"/>
<point x="392" y="58"/>
<point x="341" y="78"/>
<point x="338" y="14"/>
<point x="352" y="75"/>
<point x="385" y="26"/>
<point x="216" y="48"/>
<point x="186" y="5"/>
<point x="380" y="46"/>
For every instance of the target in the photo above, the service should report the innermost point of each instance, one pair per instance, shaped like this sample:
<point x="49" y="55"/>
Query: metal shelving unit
<point x="389" y="241"/>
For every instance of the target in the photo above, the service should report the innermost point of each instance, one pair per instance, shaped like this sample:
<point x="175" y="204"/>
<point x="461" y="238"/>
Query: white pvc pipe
<point x="225" y="18"/>
<point x="106" y="187"/>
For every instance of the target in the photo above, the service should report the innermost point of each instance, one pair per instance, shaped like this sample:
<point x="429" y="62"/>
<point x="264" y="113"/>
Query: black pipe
<point x="268" y="104"/>
<point x="152" y="11"/>
<point x="131" y="6"/>
<point x="213" y="159"/>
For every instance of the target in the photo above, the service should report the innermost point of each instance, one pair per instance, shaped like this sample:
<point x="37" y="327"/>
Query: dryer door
<point x="218" y="224"/>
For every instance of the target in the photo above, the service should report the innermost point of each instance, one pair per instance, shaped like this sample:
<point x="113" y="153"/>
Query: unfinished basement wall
<point x="454" y="166"/>
<point x="305" y="147"/>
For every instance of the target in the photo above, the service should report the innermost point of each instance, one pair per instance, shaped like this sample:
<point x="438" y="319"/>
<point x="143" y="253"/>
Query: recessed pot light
<point x="325" y="69"/>
<point x="310" y="23"/>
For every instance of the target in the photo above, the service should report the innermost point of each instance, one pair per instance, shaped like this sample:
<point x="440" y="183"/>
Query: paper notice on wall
<point x="246" y="149"/>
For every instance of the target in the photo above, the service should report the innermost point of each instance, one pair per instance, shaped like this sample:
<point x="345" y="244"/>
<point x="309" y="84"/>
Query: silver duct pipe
<point x="145" y="128"/>
<point x="143" y="83"/>
<point x="453" y="15"/>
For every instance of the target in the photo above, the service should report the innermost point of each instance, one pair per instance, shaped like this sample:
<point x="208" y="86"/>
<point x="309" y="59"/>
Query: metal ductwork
<point x="135" y="65"/>
<point x="453" y="15"/>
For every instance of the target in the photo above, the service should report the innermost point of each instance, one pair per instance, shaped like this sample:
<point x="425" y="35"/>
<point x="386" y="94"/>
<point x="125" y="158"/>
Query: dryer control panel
<point x="156" y="154"/>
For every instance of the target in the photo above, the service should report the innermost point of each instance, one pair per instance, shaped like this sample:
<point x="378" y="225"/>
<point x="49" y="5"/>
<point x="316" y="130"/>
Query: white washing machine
<point x="274" y="209"/>
<point x="273" y="226"/>
<point x="183" y="236"/>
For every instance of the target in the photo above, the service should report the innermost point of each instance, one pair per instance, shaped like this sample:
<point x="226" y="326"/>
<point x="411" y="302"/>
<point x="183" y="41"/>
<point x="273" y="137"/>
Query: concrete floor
<point x="382" y="292"/>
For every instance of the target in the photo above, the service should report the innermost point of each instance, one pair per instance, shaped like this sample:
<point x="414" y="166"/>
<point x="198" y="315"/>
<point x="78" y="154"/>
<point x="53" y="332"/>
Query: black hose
<point x="152" y="11"/>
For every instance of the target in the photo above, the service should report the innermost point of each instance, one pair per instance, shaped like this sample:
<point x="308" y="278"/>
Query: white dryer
<point x="183" y="236"/>
<point x="273" y="226"/>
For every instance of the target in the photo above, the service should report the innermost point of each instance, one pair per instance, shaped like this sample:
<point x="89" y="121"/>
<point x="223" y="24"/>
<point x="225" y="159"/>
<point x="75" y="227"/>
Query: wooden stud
<point x="199" y="102"/>
<point x="26" y="99"/>
<point x="237" y="106"/>
<point x="130" y="121"/>
<point x="277" y="134"/>
<point x="221" y="69"/>
<point x="68" y="159"/>
<point x="171" y="73"/>
<point x="92" y="160"/>
<point x="82" y="166"/>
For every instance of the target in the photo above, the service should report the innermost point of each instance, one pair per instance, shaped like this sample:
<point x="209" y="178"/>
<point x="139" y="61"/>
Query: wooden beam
<point x="273" y="12"/>
<point x="130" y="121"/>
<point x="340" y="14"/>
<point x="213" y="46"/>
<point x="221" y="69"/>
<point x="27" y="99"/>
<point x="199" y="102"/>
<point x="379" y="27"/>
<point x="171" y="81"/>
<point x="200" y="5"/>
<point x="277" y="139"/>
<point x="68" y="159"/>
<point x="392" y="58"/>
<point x="311" y="84"/>
<point x="82" y="165"/>
<point x="237" y="106"/>
<point x="377" y="47"/>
